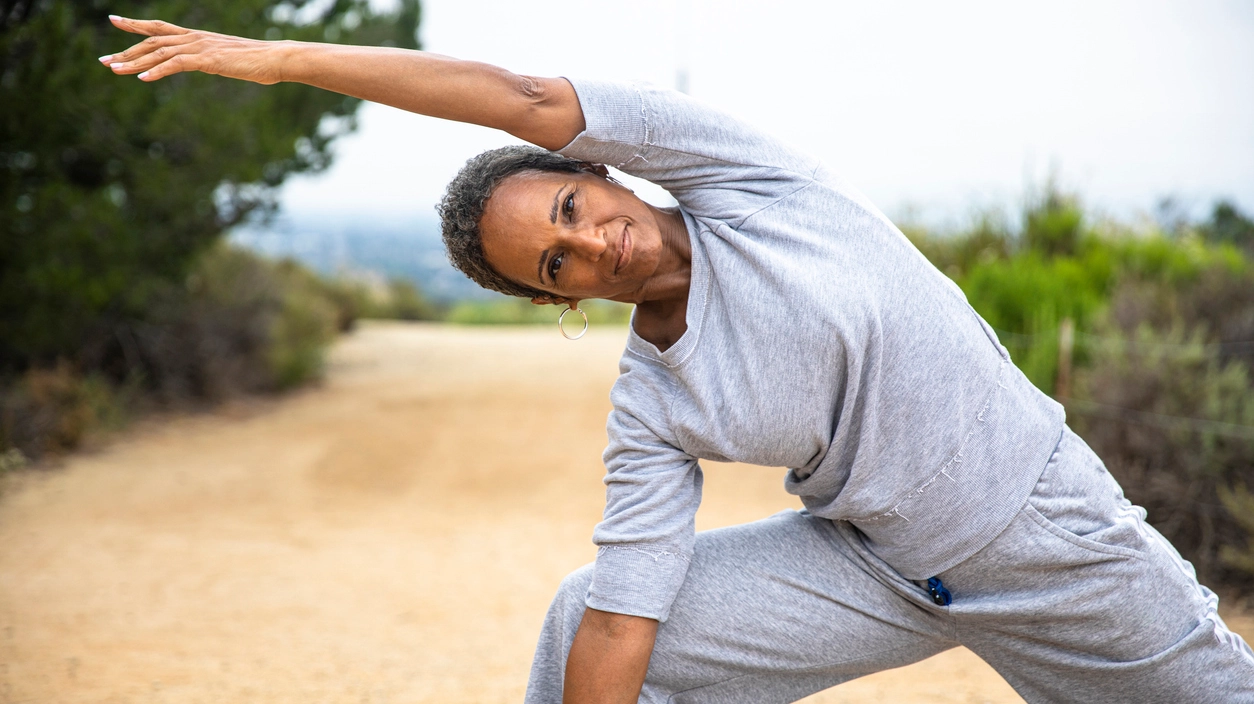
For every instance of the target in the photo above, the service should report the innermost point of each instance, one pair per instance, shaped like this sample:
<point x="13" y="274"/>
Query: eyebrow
<point x="556" y="197"/>
<point x="540" y="267"/>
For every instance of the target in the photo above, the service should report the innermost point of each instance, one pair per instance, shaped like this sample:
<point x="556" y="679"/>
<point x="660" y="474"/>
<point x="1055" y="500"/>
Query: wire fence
<point x="1228" y="348"/>
<point x="1157" y="420"/>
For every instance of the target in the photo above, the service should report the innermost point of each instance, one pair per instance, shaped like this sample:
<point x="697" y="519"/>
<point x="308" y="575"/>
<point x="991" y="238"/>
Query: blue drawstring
<point x="939" y="593"/>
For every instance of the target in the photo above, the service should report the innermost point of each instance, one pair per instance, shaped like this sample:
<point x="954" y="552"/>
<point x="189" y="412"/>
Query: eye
<point x="568" y="205"/>
<point x="554" y="264"/>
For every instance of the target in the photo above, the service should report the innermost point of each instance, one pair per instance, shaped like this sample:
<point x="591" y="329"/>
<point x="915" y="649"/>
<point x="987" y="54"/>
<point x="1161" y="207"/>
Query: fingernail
<point x="105" y="59"/>
<point x="114" y="17"/>
<point x="115" y="65"/>
<point x="143" y="76"/>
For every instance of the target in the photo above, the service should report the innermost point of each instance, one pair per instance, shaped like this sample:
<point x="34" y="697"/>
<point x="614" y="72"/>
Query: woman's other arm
<point x="543" y="111"/>
<point x="608" y="658"/>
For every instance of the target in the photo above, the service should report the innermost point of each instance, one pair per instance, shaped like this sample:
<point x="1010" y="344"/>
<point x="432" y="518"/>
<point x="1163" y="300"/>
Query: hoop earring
<point x="581" y="332"/>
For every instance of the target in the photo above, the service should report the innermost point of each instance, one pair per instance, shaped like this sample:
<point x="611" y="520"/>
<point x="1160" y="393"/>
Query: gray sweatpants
<point x="1078" y="600"/>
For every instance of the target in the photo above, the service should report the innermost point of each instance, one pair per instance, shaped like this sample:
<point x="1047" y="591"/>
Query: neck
<point x="669" y="283"/>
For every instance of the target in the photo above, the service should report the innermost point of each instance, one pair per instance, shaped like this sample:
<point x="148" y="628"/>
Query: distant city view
<point x="365" y="247"/>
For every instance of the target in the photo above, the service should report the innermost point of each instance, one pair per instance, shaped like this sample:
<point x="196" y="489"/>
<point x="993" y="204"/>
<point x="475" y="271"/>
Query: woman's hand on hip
<point x="170" y="49"/>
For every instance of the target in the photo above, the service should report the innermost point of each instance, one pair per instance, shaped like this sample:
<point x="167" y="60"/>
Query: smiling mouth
<point x="624" y="250"/>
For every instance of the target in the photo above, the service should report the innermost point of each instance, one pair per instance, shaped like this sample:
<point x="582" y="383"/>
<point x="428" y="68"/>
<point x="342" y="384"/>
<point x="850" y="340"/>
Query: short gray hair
<point x="461" y="209"/>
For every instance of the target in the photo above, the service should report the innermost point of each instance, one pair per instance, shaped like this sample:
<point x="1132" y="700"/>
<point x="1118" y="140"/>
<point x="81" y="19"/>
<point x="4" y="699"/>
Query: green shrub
<point x="52" y="410"/>
<point x="113" y="194"/>
<point x="521" y="311"/>
<point x="239" y="324"/>
<point x="398" y="299"/>
<point x="405" y="302"/>
<point x="242" y="324"/>
<point x="1053" y="226"/>
<point x="1164" y="349"/>
<point x="987" y="240"/>
<point x="1227" y="224"/>
<point x="356" y="297"/>
<point x="345" y="296"/>
<point x="303" y="326"/>
<point x="110" y="187"/>
<point x="1171" y="262"/>
<point x="12" y="460"/>
<point x="1027" y="296"/>
<point x="1239" y="503"/>
<point x="1170" y="408"/>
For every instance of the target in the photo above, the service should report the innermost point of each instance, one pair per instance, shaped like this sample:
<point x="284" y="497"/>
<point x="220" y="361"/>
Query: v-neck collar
<point x="698" y="295"/>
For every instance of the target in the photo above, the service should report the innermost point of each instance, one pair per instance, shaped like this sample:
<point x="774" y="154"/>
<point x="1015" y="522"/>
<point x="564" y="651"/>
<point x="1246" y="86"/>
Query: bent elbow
<point x="531" y="90"/>
<point x="550" y="113"/>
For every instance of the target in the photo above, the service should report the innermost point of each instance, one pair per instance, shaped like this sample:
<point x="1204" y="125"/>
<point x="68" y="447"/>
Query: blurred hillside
<point x="365" y="247"/>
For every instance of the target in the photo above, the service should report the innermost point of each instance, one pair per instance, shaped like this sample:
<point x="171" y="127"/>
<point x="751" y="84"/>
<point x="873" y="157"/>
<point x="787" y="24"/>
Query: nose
<point x="589" y="242"/>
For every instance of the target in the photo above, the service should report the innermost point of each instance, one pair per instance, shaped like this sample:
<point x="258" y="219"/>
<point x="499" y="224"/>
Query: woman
<point x="780" y="320"/>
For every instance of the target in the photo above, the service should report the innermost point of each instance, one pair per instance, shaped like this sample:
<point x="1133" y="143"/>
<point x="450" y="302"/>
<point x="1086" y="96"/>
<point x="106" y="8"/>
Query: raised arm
<point x="610" y="654"/>
<point x="543" y="111"/>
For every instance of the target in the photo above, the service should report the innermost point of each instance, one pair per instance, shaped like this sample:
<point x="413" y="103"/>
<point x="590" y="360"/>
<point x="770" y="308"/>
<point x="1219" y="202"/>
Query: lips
<point x="624" y="250"/>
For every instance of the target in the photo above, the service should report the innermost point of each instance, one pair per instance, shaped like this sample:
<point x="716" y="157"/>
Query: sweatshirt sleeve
<point x="652" y="491"/>
<point x="687" y="147"/>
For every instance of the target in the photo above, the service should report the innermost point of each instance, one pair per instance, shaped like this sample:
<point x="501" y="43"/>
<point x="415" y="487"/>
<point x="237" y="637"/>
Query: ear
<point x="553" y="301"/>
<point x="598" y="169"/>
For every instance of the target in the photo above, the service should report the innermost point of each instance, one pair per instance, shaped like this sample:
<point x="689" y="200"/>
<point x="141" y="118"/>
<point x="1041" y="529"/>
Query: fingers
<point x="162" y="55"/>
<point x="160" y="68"/>
<point x="155" y="57"/>
<point x="151" y="28"/>
<point x="148" y="53"/>
<point x="177" y="64"/>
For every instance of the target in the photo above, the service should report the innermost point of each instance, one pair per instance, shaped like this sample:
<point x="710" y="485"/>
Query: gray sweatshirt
<point x="819" y="340"/>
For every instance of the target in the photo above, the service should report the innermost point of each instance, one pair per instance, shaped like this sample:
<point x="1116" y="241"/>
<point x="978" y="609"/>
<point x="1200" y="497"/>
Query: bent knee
<point x="573" y="591"/>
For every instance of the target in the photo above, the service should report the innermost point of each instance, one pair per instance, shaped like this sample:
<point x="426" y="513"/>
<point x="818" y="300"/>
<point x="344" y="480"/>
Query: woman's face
<point x="575" y="235"/>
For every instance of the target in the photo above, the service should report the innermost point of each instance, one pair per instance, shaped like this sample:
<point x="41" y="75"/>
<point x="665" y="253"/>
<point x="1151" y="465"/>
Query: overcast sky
<point x="929" y="107"/>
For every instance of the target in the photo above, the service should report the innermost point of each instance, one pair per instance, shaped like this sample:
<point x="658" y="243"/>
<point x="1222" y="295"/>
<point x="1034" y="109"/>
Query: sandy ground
<point x="392" y="536"/>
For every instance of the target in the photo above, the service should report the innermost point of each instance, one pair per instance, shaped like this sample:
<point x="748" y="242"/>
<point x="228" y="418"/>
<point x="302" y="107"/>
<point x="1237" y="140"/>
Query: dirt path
<point x="393" y="536"/>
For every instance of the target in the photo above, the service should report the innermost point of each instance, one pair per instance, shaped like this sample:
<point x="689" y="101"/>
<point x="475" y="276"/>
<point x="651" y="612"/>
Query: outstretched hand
<point x="170" y="49"/>
<point x="543" y="111"/>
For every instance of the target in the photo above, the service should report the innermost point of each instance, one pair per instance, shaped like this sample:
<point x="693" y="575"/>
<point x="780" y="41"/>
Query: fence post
<point x="1066" y="342"/>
